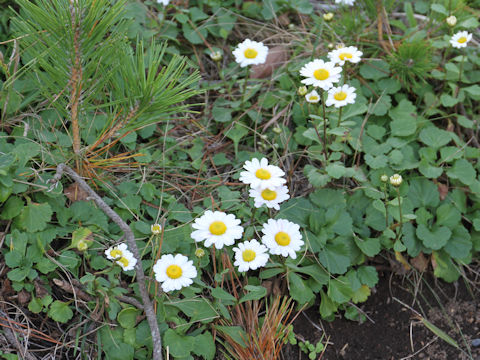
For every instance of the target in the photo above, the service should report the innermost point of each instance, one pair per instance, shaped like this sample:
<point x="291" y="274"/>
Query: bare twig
<point x="149" y="312"/>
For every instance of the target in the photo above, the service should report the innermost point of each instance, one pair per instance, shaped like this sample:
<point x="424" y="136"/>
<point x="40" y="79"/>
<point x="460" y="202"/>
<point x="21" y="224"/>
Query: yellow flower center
<point x="339" y="96"/>
<point x="344" y="56"/>
<point x="268" y="194"/>
<point x="124" y="261"/>
<point x="263" y="174"/>
<point x="462" y="40"/>
<point x="174" y="271"/>
<point x="282" y="238"/>
<point x="115" y="253"/>
<point x="156" y="229"/>
<point x="313" y="98"/>
<point x="248" y="255"/>
<point x="321" y="74"/>
<point x="218" y="228"/>
<point x="250" y="53"/>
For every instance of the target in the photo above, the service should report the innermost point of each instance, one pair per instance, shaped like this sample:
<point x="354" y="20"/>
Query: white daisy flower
<point x="115" y="252"/>
<point x="396" y="180"/>
<point x="260" y="174"/>
<point x="174" y="272"/>
<point x="250" y="255"/>
<point x="345" y="2"/>
<point x="341" y="96"/>
<point x="217" y="228"/>
<point x="282" y="237"/>
<point x="320" y="74"/>
<point x="460" y="39"/>
<point x="250" y="53"/>
<point x="271" y="197"/>
<point x="349" y="53"/>
<point x="156" y="229"/>
<point x="312" y="97"/>
<point x="164" y="2"/>
<point x="127" y="261"/>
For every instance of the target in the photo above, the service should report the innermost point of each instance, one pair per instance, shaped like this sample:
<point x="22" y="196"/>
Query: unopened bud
<point x="199" y="253"/>
<point x="277" y="130"/>
<point x="384" y="178"/>
<point x="82" y="245"/>
<point x="396" y="180"/>
<point x="328" y="16"/>
<point x="451" y="20"/>
<point x="302" y="91"/>
<point x="216" y="55"/>
<point x="156" y="229"/>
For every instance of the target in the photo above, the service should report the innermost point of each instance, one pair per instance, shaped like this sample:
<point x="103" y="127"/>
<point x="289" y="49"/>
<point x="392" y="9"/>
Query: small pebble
<point x="475" y="342"/>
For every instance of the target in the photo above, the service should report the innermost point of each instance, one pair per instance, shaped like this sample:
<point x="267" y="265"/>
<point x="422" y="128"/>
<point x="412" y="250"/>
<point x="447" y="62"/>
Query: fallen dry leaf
<point x="277" y="56"/>
<point x="443" y="190"/>
<point x="420" y="262"/>
<point x="75" y="193"/>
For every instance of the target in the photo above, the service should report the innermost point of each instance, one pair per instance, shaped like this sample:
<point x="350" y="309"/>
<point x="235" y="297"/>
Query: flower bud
<point x="277" y="130"/>
<point x="302" y="90"/>
<point x="396" y="180"/>
<point x="451" y="20"/>
<point x="199" y="253"/>
<point x="216" y="55"/>
<point x="328" y="16"/>
<point x="82" y="245"/>
<point x="384" y="178"/>
<point x="330" y="45"/>
<point x="156" y="229"/>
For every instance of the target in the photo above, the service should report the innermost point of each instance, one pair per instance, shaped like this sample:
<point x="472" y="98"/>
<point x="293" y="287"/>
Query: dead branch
<point x="149" y="312"/>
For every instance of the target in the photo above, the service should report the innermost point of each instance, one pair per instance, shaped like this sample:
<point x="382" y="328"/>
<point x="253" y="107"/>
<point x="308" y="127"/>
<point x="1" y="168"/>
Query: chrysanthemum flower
<point x="341" y="96"/>
<point x="250" y="255"/>
<point x="349" y="53"/>
<point x="127" y="261"/>
<point x="282" y="237"/>
<point x="115" y="252"/>
<point x="250" y="53"/>
<point x="217" y="228"/>
<point x="261" y="175"/>
<point x="320" y="74"/>
<point x="460" y="39"/>
<point x="312" y="97"/>
<point x="271" y="197"/>
<point x="345" y="2"/>
<point x="156" y="229"/>
<point x="174" y="272"/>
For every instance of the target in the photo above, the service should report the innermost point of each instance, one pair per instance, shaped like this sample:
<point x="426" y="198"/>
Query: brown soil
<point x="394" y="331"/>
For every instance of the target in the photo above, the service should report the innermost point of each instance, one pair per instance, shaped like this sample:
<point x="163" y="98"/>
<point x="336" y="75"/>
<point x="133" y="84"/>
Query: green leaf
<point x="335" y="257"/>
<point x="449" y="100"/>
<point x="435" y="137"/>
<point x="222" y="114"/>
<point x="220" y="294"/>
<point x="404" y="119"/>
<point x="35" y="305"/>
<point x="299" y="291"/>
<point x="369" y="246"/>
<point x="460" y="244"/>
<point x="335" y="170"/>
<point x="127" y="318"/>
<point x="34" y="217"/>
<point x="60" y="311"/>
<point x="383" y="104"/>
<point x="204" y="346"/>
<point x="254" y="293"/>
<point x="375" y="70"/>
<point x="361" y="295"/>
<point x="340" y="290"/>
<point x="197" y="309"/>
<point x="443" y="267"/>
<point x="327" y="306"/>
<point x="429" y="171"/>
<point x="440" y="333"/>
<point x="439" y="8"/>
<point x="235" y="332"/>
<point x="435" y="238"/>
<point x="12" y="208"/>
<point x="367" y="275"/>
<point x="463" y="171"/>
<point x="448" y="215"/>
<point x="423" y="193"/>
<point x="296" y="210"/>
<point x="179" y="346"/>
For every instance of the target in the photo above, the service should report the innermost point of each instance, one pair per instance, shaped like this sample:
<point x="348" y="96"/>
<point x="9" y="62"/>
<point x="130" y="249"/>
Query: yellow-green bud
<point x="328" y="16"/>
<point x="396" y="180"/>
<point x="330" y="45"/>
<point x="156" y="229"/>
<point x="384" y="178"/>
<point x="199" y="253"/>
<point x="216" y="55"/>
<point x="277" y="130"/>
<point x="302" y="90"/>
<point x="82" y="245"/>
<point x="451" y="20"/>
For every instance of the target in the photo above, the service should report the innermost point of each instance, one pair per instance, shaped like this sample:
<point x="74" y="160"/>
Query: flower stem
<point x="400" y="211"/>
<point x="325" y="139"/>
<point x="386" y="207"/>
<point x="245" y="85"/>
